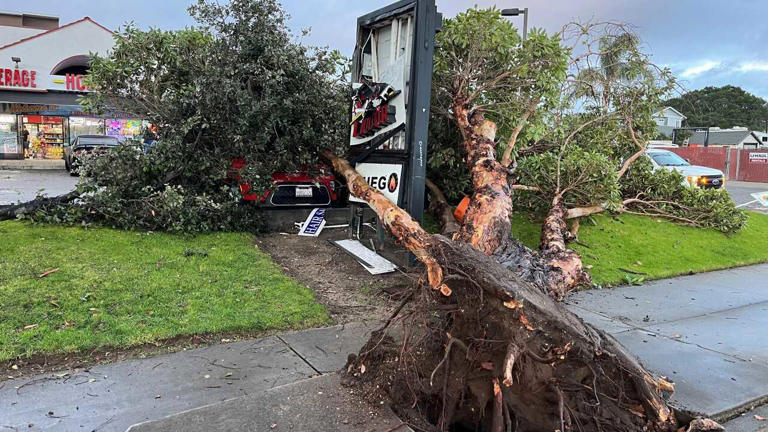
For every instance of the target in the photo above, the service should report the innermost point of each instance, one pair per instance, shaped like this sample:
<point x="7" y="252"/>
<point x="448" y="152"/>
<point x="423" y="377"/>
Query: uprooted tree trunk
<point x="483" y="349"/>
<point x="487" y="225"/>
<point x="13" y="211"/>
<point x="487" y="222"/>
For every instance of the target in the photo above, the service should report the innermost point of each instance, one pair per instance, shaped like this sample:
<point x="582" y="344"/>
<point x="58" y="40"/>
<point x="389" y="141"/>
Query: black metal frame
<point x="427" y="21"/>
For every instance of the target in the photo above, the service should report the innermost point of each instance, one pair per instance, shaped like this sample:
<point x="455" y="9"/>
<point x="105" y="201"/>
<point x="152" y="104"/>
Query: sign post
<point x="390" y="107"/>
<point x="421" y="91"/>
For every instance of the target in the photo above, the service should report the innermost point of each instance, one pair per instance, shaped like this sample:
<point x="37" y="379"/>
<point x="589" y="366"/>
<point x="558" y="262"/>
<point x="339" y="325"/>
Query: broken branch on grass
<point x="47" y="272"/>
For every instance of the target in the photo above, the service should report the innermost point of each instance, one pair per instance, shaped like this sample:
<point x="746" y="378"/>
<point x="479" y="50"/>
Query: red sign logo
<point x="18" y="78"/>
<point x="392" y="184"/>
<point x="370" y="108"/>
<point x="75" y="82"/>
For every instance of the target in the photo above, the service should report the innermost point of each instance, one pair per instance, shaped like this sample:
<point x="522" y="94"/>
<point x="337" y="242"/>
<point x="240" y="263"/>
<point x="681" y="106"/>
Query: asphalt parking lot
<point x="24" y="185"/>
<point x="741" y="194"/>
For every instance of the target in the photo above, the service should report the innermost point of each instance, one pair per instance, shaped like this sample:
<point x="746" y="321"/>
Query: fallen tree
<point x="41" y="203"/>
<point x="482" y="347"/>
<point x="485" y="344"/>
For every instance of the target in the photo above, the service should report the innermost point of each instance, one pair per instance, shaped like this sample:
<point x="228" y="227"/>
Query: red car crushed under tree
<point x="315" y="187"/>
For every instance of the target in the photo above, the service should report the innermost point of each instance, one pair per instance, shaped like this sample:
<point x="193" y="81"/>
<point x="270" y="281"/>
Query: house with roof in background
<point x="667" y="119"/>
<point x="738" y="137"/>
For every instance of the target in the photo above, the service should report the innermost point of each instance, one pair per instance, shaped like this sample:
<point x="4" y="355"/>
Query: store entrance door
<point x="45" y="135"/>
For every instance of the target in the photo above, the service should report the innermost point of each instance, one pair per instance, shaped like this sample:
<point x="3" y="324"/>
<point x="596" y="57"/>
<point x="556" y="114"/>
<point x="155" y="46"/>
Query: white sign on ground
<point x="373" y="262"/>
<point x="386" y="178"/>
<point x="314" y="224"/>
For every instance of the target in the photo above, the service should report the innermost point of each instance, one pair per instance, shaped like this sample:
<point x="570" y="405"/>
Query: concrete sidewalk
<point x="32" y="164"/>
<point x="705" y="332"/>
<point x="315" y="405"/>
<point x="114" y="397"/>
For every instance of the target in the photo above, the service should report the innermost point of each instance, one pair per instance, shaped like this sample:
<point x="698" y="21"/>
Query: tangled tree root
<point x="499" y="354"/>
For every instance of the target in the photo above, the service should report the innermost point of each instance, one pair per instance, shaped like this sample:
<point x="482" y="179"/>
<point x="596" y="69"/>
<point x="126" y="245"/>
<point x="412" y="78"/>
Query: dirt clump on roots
<point x="469" y="362"/>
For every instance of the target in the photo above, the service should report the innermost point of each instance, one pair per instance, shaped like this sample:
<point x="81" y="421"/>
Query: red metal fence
<point x="739" y="164"/>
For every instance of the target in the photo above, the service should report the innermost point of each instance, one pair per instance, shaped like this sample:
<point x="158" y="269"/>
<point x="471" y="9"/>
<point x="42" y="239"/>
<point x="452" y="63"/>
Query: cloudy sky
<point x="705" y="42"/>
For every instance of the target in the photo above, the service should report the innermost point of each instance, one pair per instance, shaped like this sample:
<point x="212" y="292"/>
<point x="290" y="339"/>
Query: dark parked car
<point x="85" y="144"/>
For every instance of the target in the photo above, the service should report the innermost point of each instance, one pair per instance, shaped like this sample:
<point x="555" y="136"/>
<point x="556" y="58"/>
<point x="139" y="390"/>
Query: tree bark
<point x="553" y="366"/>
<point x="567" y="270"/>
<point x="487" y="223"/>
<point x="15" y="210"/>
<point x="442" y="210"/>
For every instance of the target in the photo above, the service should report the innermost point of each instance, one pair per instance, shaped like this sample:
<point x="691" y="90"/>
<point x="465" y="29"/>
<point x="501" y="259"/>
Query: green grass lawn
<point x="656" y="247"/>
<point x="122" y="288"/>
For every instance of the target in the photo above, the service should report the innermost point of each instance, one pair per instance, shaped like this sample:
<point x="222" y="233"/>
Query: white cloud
<point x="760" y="66"/>
<point x="700" y="69"/>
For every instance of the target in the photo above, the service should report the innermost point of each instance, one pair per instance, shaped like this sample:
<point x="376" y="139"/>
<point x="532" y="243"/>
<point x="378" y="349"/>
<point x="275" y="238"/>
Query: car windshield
<point x="97" y="141"/>
<point x="668" y="159"/>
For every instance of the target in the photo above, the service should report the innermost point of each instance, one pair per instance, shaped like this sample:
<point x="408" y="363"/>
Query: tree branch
<point x="442" y="210"/>
<point x="506" y="158"/>
<point x="15" y="210"/>
<point x="635" y="156"/>
<point x="487" y="220"/>
<point x="526" y="188"/>
<point x="396" y="220"/>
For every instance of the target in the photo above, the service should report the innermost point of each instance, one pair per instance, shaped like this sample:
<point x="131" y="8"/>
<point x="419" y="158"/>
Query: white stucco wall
<point x="43" y="53"/>
<point x="12" y="34"/>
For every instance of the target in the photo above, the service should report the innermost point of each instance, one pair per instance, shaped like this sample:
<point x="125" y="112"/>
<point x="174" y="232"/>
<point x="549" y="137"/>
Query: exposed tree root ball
<point x="499" y="354"/>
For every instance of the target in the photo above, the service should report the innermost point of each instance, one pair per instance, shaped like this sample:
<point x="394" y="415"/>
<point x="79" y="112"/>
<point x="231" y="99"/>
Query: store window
<point x="124" y="129"/>
<point x="85" y="126"/>
<point x="9" y="138"/>
<point x="46" y="135"/>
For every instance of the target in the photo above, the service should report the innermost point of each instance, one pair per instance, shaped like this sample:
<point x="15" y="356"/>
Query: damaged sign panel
<point x="390" y="99"/>
<point x="314" y="224"/>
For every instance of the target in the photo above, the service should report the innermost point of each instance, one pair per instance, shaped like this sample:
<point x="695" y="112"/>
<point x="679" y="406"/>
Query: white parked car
<point x="696" y="176"/>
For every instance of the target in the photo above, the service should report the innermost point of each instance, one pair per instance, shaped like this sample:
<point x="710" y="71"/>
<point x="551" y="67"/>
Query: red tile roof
<point x="54" y="30"/>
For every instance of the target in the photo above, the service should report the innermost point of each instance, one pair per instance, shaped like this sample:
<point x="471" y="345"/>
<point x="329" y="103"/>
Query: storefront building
<point x="42" y="66"/>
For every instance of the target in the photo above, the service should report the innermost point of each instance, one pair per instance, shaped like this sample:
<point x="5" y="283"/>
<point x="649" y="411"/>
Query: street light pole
<point x="525" y="24"/>
<point x="516" y="12"/>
